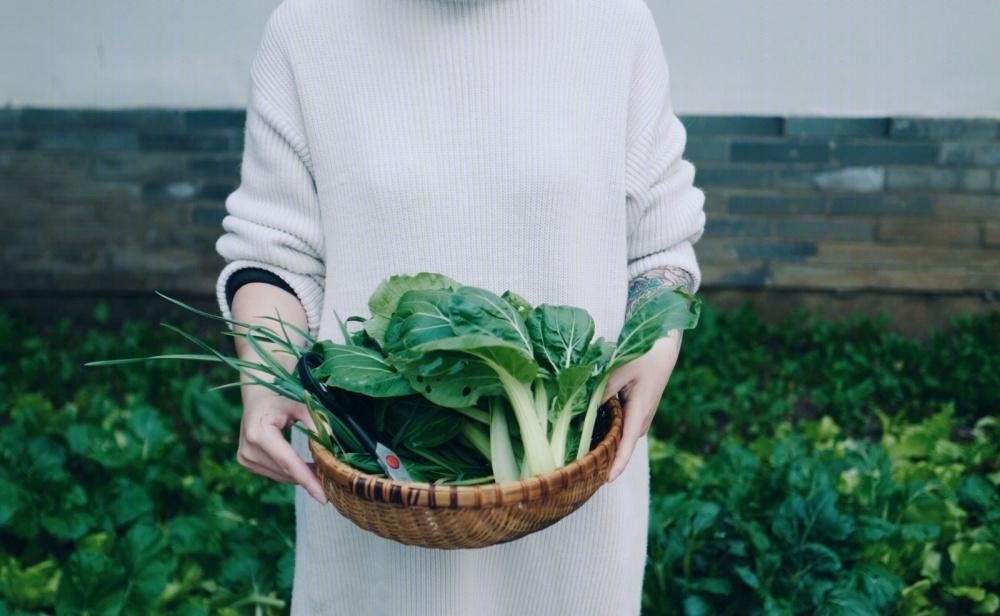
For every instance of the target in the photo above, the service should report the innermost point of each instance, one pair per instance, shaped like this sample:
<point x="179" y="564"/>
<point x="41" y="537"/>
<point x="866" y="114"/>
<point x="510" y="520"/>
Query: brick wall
<point x="120" y="201"/>
<point x="899" y="204"/>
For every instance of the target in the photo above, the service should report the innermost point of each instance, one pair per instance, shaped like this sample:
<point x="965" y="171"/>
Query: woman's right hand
<point x="263" y="448"/>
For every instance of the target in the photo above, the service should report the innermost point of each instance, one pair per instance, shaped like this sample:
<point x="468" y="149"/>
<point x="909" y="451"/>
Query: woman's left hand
<point x="641" y="382"/>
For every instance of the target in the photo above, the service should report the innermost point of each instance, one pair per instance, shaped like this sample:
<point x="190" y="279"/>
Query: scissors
<point x="338" y="401"/>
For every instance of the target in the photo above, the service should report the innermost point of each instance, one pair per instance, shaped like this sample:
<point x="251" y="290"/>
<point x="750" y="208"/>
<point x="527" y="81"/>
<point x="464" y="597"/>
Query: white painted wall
<point x="786" y="57"/>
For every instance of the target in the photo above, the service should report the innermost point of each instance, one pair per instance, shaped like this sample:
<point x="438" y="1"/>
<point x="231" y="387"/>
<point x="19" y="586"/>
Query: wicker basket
<point x="452" y="517"/>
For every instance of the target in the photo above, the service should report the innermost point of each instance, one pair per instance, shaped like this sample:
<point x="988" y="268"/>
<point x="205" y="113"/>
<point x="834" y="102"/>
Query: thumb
<point x="300" y="413"/>
<point x="619" y="380"/>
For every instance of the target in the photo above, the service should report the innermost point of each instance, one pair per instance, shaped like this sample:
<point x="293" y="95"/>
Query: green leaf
<point x="361" y="370"/>
<point x="845" y="603"/>
<point x="417" y="423"/>
<point x="147" y="562"/>
<point x="882" y="586"/>
<point x="10" y="500"/>
<point x="384" y="301"/>
<point x="975" y="564"/>
<point x="31" y="587"/>
<point x="520" y="304"/>
<point x="749" y="577"/>
<point x="131" y="503"/>
<point x="189" y="534"/>
<point x="559" y="335"/>
<point x="696" y="606"/>
<point x="652" y="317"/>
<point x="91" y="581"/>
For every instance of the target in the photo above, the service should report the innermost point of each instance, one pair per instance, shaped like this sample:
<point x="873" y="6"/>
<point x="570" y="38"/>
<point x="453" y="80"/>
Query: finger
<point x="618" y="381"/>
<point x="301" y="413"/>
<point x="631" y="431"/>
<point x="278" y="449"/>
<point x="260" y="469"/>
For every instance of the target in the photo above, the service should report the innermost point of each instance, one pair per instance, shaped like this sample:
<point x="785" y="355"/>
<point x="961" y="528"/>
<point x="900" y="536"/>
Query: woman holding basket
<point x="509" y="144"/>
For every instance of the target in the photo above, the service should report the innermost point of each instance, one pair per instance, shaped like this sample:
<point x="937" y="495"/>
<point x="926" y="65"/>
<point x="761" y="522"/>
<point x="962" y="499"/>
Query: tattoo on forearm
<point x="655" y="278"/>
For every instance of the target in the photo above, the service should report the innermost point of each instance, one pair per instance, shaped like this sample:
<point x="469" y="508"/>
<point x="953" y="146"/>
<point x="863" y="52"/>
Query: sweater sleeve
<point x="665" y="212"/>
<point x="273" y="217"/>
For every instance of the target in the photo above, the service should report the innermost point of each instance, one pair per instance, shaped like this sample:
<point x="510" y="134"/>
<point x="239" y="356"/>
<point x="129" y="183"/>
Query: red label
<point x="392" y="461"/>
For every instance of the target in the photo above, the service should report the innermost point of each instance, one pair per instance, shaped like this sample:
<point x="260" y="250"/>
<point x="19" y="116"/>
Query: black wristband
<point x="253" y="274"/>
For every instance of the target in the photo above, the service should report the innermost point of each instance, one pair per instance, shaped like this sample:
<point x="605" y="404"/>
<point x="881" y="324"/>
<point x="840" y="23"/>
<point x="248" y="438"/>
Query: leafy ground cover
<point x="809" y="467"/>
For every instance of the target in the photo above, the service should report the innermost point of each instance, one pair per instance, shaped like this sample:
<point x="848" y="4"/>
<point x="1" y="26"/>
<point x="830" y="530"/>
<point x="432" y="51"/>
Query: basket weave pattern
<point x="452" y="517"/>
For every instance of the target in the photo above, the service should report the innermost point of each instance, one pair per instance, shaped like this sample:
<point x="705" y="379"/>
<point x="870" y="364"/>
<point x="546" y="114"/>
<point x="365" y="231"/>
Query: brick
<point x="966" y="206"/>
<point x="916" y="178"/>
<point x="35" y="119"/>
<point x="737" y="275"/>
<point x="9" y="118"/>
<point x="215" y="167"/>
<point x="168" y="190"/>
<point x="80" y="141"/>
<point x="797" y="177"/>
<point x="220" y="190"/>
<point x="969" y="154"/>
<point x="862" y="179"/>
<point x="215" y="118"/>
<point x="697" y="149"/>
<point x="955" y="154"/>
<point x="826" y="229"/>
<point x="133" y="213"/>
<point x="716" y="250"/>
<point x="986" y="155"/>
<point x="144" y="262"/>
<point x="869" y="276"/>
<point x="880" y="205"/>
<point x="715" y="202"/>
<point x="733" y="176"/>
<point x="732" y="125"/>
<point x="36" y="169"/>
<point x="978" y="279"/>
<point x="236" y="142"/>
<point x="132" y="120"/>
<point x="886" y="153"/>
<point x="912" y="255"/>
<point x="36" y="279"/>
<point x="775" y="250"/>
<point x="975" y="180"/>
<point x="739" y="227"/>
<point x="137" y="168"/>
<point x="991" y="234"/>
<point x="183" y="142"/>
<point x="943" y="128"/>
<point x="773" y="204"/>
<point x="208" y="216"/>
<point x="837" y="127"/>
<point x="780" y="151"/>
<point x="62" y="188"/>
<point x="17" y="142"/>
<point x="924" y="231"/>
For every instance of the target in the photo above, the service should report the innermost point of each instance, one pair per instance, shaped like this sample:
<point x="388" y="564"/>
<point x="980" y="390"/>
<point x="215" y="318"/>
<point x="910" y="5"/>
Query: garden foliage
<point x="813" y="467"/>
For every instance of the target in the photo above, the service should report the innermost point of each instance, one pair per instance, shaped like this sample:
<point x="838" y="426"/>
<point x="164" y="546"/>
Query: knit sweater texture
<point x="528" y="145"/>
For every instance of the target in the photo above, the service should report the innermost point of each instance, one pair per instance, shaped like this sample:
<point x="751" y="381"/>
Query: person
<point x="508" y="144"/>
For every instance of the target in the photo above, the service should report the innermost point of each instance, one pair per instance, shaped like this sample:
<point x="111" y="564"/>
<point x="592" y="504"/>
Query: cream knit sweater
<point x="528" y="145"/>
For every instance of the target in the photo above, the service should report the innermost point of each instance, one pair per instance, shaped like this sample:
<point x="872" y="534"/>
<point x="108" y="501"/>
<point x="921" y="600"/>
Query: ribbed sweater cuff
<point x="306" y="289"/>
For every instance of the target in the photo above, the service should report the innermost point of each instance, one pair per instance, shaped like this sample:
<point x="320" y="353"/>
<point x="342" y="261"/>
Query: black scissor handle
<point x="335" y="400"/>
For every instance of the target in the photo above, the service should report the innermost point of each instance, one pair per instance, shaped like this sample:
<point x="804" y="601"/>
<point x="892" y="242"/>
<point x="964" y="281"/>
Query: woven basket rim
<point x="425" y="494"/>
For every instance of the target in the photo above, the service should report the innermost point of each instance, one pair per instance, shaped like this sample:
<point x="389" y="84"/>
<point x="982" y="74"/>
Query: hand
<point x="642" y="382"/>
<point x="263" y="448"/>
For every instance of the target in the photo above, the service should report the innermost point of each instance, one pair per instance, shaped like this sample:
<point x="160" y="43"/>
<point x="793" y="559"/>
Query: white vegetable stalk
<point x="501" y="450"/>
<point x="587" y="432"/>
<point x="537" y="454"/>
